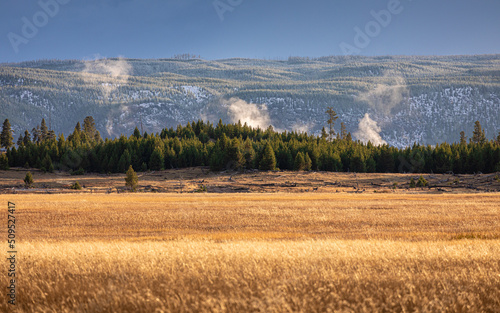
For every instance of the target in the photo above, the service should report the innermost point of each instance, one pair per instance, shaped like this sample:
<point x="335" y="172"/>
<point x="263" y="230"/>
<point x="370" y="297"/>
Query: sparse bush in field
<point x="395" y="186"/>
<point x="497" y="178"/>
<point x="422" y="182"/>
<point x="76" y="186"/>
<point x="131" y="180"/>
<point x="28" y="180"/>
<point x="201" y="188"/>
<point x="412" y="183"/>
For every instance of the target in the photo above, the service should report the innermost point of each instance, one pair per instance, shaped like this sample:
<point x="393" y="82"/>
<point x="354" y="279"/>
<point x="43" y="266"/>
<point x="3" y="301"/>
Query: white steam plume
<point x="253" y="114"/>
<point x="302" y="127"/>
<point x="384" y="97"/>
<point x="116" y="72"/>
<point x="368" y="130"/>
<point x="109" y="127"/>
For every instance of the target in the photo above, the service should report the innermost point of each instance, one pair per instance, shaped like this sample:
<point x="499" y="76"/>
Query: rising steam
<point x="386" y="96"/>
<point x="302" y="127"/>
<point x="107" y="76"/>
<point x="113" y="74"/>
<point x="368" y="130"/>
<point x="253" y="114"/>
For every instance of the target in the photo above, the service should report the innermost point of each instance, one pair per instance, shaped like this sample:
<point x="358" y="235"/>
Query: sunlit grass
<point x="257" y="253"/>
<point x="233" y="217"/>
<point x="266" y="276"/>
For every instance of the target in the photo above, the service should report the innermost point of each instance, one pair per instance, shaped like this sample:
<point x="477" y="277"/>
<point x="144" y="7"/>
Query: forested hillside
<point x="409" y="99"/>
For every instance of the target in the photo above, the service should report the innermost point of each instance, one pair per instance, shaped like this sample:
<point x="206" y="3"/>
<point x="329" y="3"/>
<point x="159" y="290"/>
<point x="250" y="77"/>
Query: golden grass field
<point x="279" y="252"/>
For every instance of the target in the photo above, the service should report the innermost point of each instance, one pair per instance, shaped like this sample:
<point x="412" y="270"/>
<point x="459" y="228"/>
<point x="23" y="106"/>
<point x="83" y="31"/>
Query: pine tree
<point x="308" y="162"/>
<point x="371" y="165"/>
<point x="46" y="164"/>
<point x="248" y="153"/>
<point x="124" y="162"/>
<point x="463" y="138"/>
<point x="157" y="160"/>
<point x="478" y="135"/>
<point x="36" y="134"/>
<point x="234" y="156"/>
<point x="331" y="121"/>
<point x="76" y="186"/>
<point x="413" y="184"/>
<point x="4" y="162"/>
<point x="131" y="180"/>
<point x="51" y="135"/>
<point x="268" y="161"/>
<point x="20" y="141"/>
<point x="299" y="164"/>
<point x="422" y="182"/>
<point x="343" y="131"/>
<point x="44" y="130"/>
<point x="357" y="163"/>
<point x="6" y="139"/>
<point x="498" y="139"/>
<point x="324" y="134"/>
<point x="386" y="161"/>
<point x="26" y="138"/>
<point x="28" y="179"/>
<point x="137" y="133"/>
<point x="97" y="136"/>
<point x="89" y="128"/>
<point x="76" y="136"/>
<point x="217" y="158"/>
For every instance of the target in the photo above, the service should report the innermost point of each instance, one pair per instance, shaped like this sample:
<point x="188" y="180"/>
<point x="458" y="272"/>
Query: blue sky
<point x="80" y="29"/>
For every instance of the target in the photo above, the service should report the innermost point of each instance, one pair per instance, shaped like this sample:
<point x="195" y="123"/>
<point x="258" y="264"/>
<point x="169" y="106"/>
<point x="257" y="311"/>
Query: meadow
<point x="279" y="252"/>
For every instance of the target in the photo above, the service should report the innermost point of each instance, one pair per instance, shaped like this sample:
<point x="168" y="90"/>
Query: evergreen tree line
<point x="238" y="147"/>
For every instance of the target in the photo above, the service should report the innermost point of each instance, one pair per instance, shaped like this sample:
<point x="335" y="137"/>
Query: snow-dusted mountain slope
<point x="413" y="99"/>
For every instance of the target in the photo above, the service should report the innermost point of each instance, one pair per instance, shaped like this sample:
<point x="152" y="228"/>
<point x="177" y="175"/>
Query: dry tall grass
<point x="261" y="216"/>
<point x="255" y="276"/>
<point x="257" y="253"/>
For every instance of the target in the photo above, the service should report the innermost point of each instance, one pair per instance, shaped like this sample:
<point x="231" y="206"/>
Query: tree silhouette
<point x="332" y="117"/>
<point x="6" y="139"/>
<point x="44" y="130"/>
<point x="268" y="161"/>
<point x="300" y="163"/>
<point x="28" y="179"/>
<point x="131" y="180"/>
<point x="478" y="135"/>
<point x="463" y="138"/>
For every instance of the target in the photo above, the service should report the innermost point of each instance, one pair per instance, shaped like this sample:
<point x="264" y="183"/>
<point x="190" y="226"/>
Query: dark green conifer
<point x="268" y="161"/>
